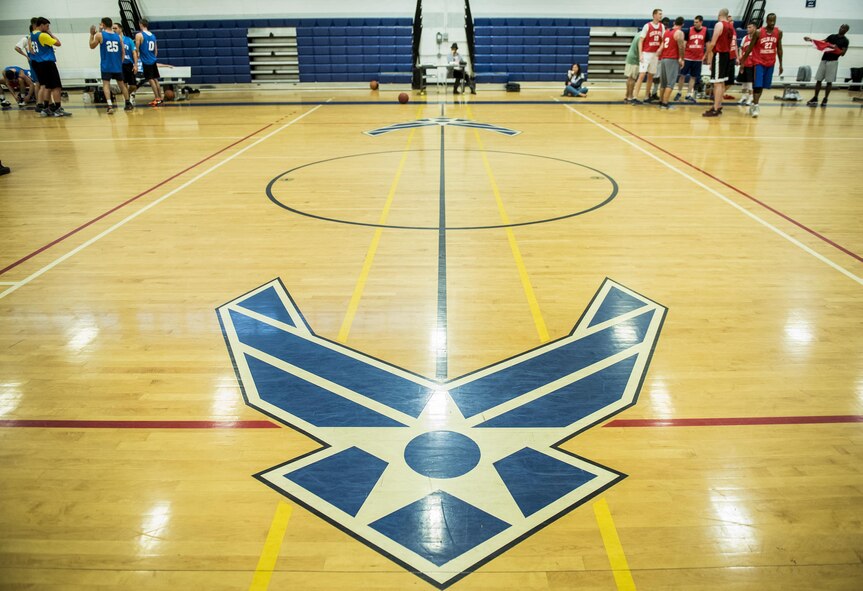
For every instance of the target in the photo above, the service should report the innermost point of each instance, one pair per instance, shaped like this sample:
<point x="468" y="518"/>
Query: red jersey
<point x="670" y="50"/>
<point x="733" y="50"/>
<point x="653" y="38"/>
<point x="723" y="44"/>
<point x="695" y="44"/>
<point x="764" y="52"/>
<point x="747" y="40"/>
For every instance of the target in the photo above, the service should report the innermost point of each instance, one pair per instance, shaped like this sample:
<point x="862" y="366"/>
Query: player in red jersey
<point x="670" y="62"/>
<point x="719" y="56"/>
<point x="765" y="48"/>
<point x="696" y="40"/>
<point x="648" y="54"/>
<point x="746" y="75"/>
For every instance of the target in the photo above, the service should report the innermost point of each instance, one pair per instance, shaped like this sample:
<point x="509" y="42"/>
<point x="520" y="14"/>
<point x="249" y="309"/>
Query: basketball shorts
<point x="129" y="75"/>
<point x="827" y="71"/>
<point x="669" y="70"/>
<point x="112" y="76"/>
<point x="630" y="71"/>
<point x="151" y="72"/>
<point x="649" y="62"/>
<point x="722" y="68"/>
<point x="48" y="75"/>
<point x="763" y="77"/>
<point x="746" y="74"/>
<point x="691" y="68"/>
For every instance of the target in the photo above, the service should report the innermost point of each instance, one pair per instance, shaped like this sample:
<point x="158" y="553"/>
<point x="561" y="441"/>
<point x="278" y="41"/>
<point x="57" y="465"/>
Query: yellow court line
<point x="270" y="553"/>
<point x="619" y="566"/>
<point x="541" y="329"/>
<point x="354" y="304"/>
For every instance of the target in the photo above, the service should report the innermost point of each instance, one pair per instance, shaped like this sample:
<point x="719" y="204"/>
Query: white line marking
<point x="132" y="216"/>
<point x="764" y="223"/>
<point x="129" y="138"/>
<point x="8" y="283"/>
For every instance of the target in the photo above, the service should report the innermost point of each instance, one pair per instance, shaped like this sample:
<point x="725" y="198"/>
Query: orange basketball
<point x="373" y="84"/>
<point x="403" y="98"/>
<point x="169" y="95"/>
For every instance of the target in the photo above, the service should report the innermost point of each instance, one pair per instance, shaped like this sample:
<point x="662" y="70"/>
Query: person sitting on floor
<point x="574" y="82"/>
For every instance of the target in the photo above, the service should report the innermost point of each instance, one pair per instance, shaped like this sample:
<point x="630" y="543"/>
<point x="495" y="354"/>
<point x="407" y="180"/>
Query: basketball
<point x="403" y="98"/>
<point x="373" y="84"/>
<point x="169" y="95"/>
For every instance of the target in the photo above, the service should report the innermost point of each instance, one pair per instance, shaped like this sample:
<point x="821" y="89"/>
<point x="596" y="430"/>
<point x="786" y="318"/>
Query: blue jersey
<point x="148" y="48"/>
<point x="12" y="72"/>
<point x="109" y="50"/>
<point x="39" y="52"/>
<point x="129" y="44"/>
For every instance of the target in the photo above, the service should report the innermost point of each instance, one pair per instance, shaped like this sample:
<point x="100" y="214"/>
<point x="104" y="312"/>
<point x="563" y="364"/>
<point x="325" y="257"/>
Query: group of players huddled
<point x="677" y="56"/>
<point x="122" y="59"/>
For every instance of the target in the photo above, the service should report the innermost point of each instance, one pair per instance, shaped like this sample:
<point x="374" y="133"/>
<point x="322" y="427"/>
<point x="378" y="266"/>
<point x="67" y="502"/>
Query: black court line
<point x="605" y="201"/>
<point x="441" y="333"/>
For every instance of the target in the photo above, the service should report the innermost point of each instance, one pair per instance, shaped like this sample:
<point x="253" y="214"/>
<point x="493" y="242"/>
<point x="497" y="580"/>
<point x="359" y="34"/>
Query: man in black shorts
<point x="130" y="61"/>
<point x="719" y="57"/>
<point x="42" y="43"/>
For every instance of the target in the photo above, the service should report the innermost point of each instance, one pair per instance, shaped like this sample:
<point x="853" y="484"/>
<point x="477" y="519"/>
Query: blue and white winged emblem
<point x="442" y="122"/>
<point x="440" y="476"/>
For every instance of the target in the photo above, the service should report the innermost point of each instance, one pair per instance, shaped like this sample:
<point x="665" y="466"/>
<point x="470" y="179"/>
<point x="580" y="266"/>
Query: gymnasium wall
<point x="71" y="19"/>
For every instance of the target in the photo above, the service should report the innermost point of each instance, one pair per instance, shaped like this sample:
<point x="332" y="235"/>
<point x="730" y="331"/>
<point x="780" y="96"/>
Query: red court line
<point x="127" y="202"/>
<point x="747" y="195"/>
<point x="73" y="424"/>
<point x="735" y="421"/>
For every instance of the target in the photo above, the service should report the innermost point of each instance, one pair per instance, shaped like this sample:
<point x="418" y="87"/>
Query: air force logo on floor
<point x="440" y="477"/>
<point x="442" y="122"/>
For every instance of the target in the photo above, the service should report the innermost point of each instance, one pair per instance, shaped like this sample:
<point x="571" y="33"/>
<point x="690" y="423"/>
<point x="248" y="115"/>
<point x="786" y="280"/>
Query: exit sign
<point x="810" y="3"/>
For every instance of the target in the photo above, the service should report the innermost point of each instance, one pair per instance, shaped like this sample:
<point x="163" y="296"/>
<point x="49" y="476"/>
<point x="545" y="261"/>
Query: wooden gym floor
<point x="131" y="242"/>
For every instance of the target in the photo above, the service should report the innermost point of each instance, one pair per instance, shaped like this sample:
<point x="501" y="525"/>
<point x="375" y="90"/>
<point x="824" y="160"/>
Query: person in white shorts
<point x="648" y="53"/>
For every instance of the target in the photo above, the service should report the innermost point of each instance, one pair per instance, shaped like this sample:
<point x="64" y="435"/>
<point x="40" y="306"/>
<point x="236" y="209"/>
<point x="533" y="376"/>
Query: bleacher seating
<point x="516" y="49"/>
<point x="329" y="49"/>
<point x="355" y="50"/>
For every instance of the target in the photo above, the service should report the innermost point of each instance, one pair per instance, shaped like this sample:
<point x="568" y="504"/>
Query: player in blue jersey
<point x="130" y="62"/>
<point x="112" y="53"/>
<point x="42" y="44"/>
<point x="19" y="81"/>
<point x="148" y="49"/>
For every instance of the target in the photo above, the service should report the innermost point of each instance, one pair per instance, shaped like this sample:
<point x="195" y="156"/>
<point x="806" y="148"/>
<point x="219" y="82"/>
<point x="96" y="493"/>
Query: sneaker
<point x="812" y="102"/>
<point x="63" y="112"/>
<point x="636" y="101"/>
<point x="627" y="101"/>
<point x="110" y="110"/>
<point x="742" y="100"/>
<point x="45" y="113"/>
<point x="6" y="105"/>
<point x="128" y="107"/>
<point x="21" y="104"/>
<point x="652" y="99"/>
<point x="155" y="102"/>
<point x="754" y="110"/>
<point x="676" y="97"/>
<point x="132" y="99"/>
<point x="824" y="102"/>
<point x="711" y="113"/>
<point x="4" y="169"/>
<point x="691" y="99"/>
<point x="57" y="113"/>
<point x="666" y="106"/>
